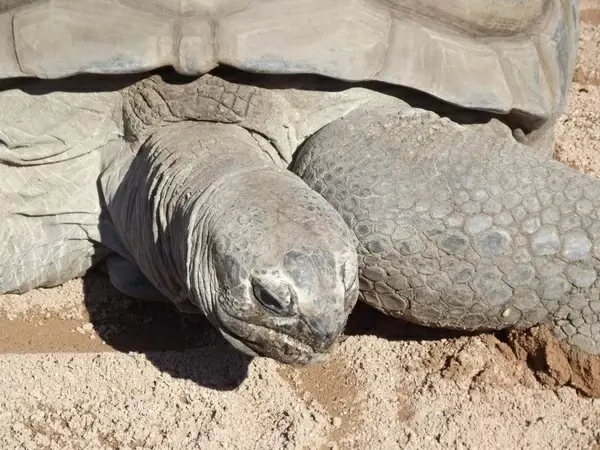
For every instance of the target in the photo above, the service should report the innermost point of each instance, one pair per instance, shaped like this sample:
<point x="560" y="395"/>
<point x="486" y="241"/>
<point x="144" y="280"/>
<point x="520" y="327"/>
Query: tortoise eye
<point x="271" y="302"/>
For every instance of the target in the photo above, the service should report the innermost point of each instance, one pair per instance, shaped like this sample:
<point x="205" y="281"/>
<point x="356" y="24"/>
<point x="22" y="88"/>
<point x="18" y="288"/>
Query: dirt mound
<point x="554" y="362"/>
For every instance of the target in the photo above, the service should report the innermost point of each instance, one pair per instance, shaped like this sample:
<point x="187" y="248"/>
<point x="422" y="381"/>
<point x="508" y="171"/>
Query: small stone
<point x="337" y="422"/>
<point x="88" y="327"/>
<point x="80" y="330"/>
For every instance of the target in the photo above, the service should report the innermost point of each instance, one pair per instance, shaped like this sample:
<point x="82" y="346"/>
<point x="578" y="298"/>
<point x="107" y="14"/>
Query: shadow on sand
<point x="189" y="347"/>
<point x="186" y="347"/>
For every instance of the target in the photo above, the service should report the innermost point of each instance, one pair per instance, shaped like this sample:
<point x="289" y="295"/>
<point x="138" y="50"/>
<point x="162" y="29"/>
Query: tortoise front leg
<point x="462" y="227"/>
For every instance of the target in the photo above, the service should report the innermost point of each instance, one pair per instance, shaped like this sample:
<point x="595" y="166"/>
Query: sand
<point x="82" y="366"/>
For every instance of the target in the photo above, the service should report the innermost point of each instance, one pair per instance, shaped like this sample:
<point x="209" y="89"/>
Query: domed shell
<point x="505" y="56"/>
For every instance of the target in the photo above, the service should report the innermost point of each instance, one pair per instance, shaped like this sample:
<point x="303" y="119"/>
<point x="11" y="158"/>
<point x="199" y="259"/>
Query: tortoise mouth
<point x="258" y="340"/>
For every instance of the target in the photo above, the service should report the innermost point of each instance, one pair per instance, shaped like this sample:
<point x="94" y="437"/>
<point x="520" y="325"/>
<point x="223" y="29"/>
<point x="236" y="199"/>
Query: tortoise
<point x="269" y="163"/>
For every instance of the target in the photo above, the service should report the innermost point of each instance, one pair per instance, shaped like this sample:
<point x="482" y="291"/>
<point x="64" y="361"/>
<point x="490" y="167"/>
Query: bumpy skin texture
<point x="462" y="228"/>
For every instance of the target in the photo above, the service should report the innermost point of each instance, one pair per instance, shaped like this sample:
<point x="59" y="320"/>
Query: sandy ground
<point x="84" y="367"/>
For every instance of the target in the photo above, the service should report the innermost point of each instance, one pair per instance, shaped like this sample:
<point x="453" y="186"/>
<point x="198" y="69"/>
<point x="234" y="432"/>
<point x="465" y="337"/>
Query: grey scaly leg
<point x="462" y="228"/>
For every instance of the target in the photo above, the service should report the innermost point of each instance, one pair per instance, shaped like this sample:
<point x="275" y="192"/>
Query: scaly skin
<point x="462" y="228"/>
<point x="211" y="220"/>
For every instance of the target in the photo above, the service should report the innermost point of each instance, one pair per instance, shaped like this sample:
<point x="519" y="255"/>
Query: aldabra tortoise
<point x="417" y="135"/>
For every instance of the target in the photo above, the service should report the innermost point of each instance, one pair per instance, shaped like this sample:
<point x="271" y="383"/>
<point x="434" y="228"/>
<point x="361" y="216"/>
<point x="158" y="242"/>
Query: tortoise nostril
<point x="270" y="301"/>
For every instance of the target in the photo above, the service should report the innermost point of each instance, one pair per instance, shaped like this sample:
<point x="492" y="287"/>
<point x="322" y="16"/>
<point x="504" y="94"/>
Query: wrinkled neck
<point x="170" y="208"/>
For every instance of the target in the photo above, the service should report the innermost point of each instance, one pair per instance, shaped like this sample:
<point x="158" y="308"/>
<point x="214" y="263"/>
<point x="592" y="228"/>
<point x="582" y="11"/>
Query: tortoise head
<point x="282" y="266"/>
